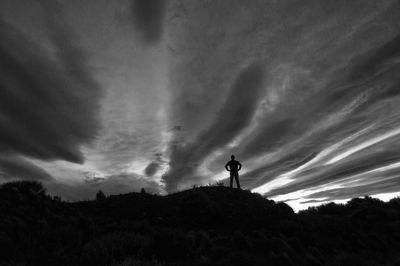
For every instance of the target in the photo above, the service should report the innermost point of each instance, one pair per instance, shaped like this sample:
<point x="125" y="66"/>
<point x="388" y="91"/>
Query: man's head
<point x="233" y="157"/>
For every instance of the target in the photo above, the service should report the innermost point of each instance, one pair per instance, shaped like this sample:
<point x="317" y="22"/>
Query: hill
<point x="201" y="226"/>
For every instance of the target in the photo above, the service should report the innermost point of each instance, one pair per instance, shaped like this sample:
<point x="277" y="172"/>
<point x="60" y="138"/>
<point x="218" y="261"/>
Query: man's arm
<point x="240" y="166"/>
<point x="226" y="166"/>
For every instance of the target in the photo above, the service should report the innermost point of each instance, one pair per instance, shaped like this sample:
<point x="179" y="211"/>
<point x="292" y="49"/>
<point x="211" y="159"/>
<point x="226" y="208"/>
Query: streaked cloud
<point x="148" y="17"/>
<point x="12" y="167"/>
<point x="185" y="157"/>
<point x="304" y="93"/>
<point x="49" y="102"/>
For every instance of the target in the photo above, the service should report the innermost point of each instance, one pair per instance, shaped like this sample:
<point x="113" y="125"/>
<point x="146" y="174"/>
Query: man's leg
<point x="231" y="177"/>
<point x="237" y="180"/>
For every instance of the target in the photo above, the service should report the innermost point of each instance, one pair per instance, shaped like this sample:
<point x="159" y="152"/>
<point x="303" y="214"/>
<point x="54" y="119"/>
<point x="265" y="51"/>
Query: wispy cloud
<point x="148" y="17"/>
<point x="185" y="157"/>
<point x="48" y="104"/>
<point x="304" y="93"/>
<point x="12" y="167"/>
<point x="325" y="102"/>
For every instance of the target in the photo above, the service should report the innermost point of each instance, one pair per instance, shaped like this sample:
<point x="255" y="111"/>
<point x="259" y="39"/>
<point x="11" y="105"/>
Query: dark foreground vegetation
<point x="202" y="226"/>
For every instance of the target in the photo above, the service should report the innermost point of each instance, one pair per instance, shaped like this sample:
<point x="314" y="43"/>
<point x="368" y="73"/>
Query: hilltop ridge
<point x="200" y="226"/>
<point x="219" y="208"/>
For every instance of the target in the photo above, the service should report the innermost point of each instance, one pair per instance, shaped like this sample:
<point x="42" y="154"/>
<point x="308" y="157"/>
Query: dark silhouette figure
<point x="233" y="167"/>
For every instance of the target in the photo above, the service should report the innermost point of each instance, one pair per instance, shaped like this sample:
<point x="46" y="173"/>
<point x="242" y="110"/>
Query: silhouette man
<point x="233" y="167"/>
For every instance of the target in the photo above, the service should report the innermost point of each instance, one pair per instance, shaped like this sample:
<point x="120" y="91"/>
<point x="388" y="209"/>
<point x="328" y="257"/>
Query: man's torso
<point x="233" y="166"/>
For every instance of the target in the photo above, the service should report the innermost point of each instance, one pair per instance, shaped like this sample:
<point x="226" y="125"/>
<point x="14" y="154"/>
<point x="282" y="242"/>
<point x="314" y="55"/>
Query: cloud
<point x="387" y="185"/>
<point x="49" y="103"/>
<point x="111" y="185"/>
<point x="235" y="114"/>
<point x="358" y="167"/>
<point x="375" y="147"/>
<point x="148" y="17"/>
<point x="152" y="169"/>
<point x="329" y="73"/>
<point x="17" y="167"/>
<point x="305" y="94"/>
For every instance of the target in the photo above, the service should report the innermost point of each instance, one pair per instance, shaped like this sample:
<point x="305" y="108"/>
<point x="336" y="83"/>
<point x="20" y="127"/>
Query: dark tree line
<point x="201" y="226"/>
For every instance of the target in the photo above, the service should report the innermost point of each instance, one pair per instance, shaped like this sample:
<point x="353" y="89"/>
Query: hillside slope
<point x="202" y="226"/>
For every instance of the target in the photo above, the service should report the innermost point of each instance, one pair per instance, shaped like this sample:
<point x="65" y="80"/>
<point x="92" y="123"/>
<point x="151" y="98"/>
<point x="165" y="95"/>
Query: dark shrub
<point x="112" y="247"/>
<point x="281" y="259"/>
<point x="331" y="209"/>
<point x="100" y="196"/>
<point x="25" y="187"/>
<point x="202" y="242"/>
<point x="239" y="241"/>
<point x="169" y="245"/>
<point x="311" y="260"/>
<point x="280" y="245"/>
<point x="346" y="259"/>
<point x="205" y="226"/>
<point x="236" y="258"/>
<point x="137" y="262"/>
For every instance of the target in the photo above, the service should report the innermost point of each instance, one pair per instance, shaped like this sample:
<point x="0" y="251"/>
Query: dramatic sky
<point x="124" y="94"/>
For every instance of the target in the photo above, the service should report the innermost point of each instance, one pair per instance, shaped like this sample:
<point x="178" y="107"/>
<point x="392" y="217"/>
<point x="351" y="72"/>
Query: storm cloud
<point x="148" y="17"/>
<point x="151" y="169"/>
<point x="48" y="102"/>
<point x="328" y="92"/>
<point x="304" y="93"/>
<point x="14" y="167"/>
<point x="185" y="157"/>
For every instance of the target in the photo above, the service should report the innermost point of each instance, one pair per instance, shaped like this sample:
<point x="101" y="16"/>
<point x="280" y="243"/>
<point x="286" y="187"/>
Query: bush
<point x="206" y="226"/>
<point x="100" y="196"/>
<point x="112" y="247"/>
<point x="239" y="241"/>
<point x="137" y="262"/>
<point x="170" y="245"/>
<point x="25" y="187"/>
